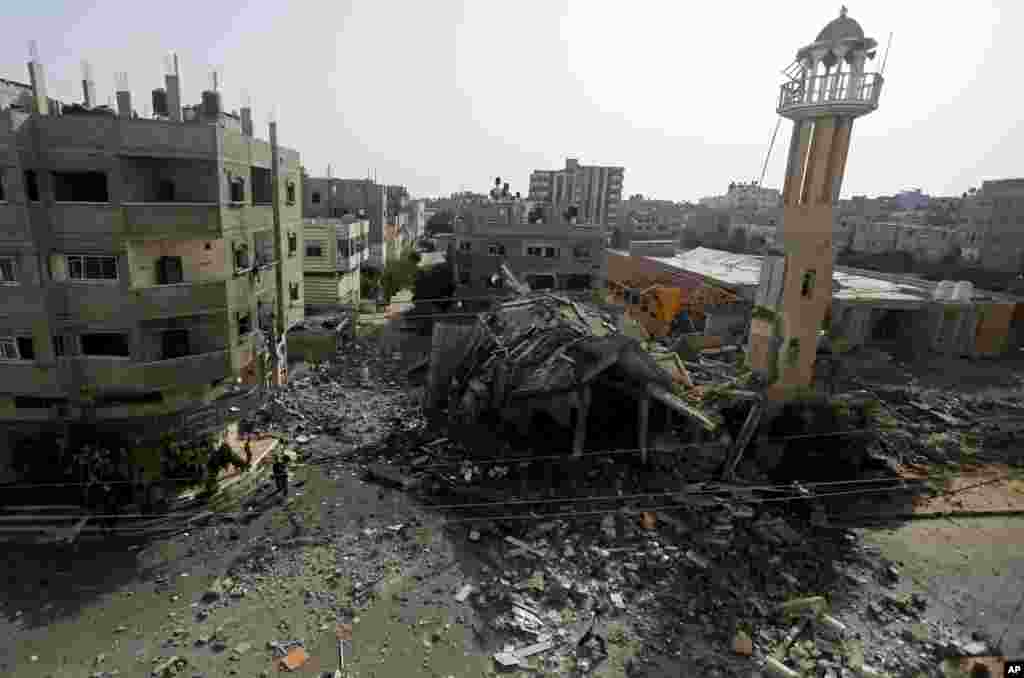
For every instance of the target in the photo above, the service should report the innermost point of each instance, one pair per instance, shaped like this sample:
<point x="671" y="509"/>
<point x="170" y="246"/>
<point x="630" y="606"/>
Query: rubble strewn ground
<point x="452" y="551"/>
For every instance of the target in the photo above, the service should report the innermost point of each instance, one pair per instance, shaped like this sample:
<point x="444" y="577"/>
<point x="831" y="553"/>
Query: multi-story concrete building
<point x="640" y="218"/>
<point x="744" y="196"/>
<point x="595" y="191"/>
<point x="1001" y="208"/>
<point x="328" y="197"/>
<point x="545" y="254"/>
<point x="925" y="243"/>
<point x="146" y="263"/>
<point x="333" y="253"/>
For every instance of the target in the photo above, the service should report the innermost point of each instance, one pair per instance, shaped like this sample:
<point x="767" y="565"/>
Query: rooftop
<point x="849" y="284"/>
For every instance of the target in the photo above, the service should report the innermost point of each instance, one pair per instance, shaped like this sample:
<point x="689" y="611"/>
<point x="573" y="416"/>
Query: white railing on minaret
<point x="834" y="87"/>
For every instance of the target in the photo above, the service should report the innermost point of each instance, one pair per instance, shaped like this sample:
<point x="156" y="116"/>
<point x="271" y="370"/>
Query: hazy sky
<point x="444" y="96"/>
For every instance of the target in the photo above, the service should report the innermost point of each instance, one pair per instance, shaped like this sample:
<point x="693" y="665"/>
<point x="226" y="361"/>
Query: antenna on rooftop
<point x="216" y="79"/>
<point x="885" y="59"/>
<point x="33" y="51"/>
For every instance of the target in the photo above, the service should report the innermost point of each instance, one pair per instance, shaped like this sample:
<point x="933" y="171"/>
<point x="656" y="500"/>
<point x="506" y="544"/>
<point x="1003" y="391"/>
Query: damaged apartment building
<point x="149" y="264"/>
<point x="543" y="245"/>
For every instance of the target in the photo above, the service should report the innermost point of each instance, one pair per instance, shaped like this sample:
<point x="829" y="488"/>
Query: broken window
<point x="80" y="187"/>
<point x="464" y="277"/>
<point x="165" y="191"/>
<point x="293" y="244"/>
<point x="174" y="344"/>
<point x="807" y="286"/>
<point x="31" y="185"/>
<point x="316" y="197"/>
<point x="293" y="289"/>
<point x="496" y="250"/>
<point x="262" y="186"/>
<point x="465" y="246"/>
<point x="169" y="271"/>
<point x="244" y="325"/>
<point x="314" y="248"/>
<point x="59" y="349"/>
<point x="91" y="267"/>
<point x="237" y="186"/>
<point x="290" y="193"/>
<point x="17" y="348"/>
<point x="8" y="270"/>
<point x="106" y="344"/>
<point x="581" y="251"/>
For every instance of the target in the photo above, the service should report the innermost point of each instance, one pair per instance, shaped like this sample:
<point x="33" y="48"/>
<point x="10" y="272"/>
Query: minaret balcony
<point x="844" y="94"/>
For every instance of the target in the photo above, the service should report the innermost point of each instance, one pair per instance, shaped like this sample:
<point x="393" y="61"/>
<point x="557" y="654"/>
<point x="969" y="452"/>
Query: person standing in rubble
<point x="281" y="475"/>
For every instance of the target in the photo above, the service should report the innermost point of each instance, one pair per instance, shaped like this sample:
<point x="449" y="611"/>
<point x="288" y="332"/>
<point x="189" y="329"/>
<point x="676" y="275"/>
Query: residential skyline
<point x="647" y="90"/>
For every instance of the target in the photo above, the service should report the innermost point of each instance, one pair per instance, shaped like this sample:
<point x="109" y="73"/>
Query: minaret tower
<point x="828" y="88"/>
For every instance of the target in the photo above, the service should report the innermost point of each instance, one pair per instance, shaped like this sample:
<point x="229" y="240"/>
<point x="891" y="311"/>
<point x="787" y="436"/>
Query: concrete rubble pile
<point x="341" y="398"/>
<point x="544" y="352"/>
<point x="558" y="596"/>
<point x="932" y="426"/>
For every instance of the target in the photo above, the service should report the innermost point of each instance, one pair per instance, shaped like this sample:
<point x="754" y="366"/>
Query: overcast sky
<point x="443" y="96"/>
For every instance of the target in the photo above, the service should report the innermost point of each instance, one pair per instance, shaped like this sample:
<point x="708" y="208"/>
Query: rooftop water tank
<point x="963" y="291"/>
<point x="944" y="290"/>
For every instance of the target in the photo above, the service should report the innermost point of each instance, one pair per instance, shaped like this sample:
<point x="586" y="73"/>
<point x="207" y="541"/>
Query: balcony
<point x="168" y="301"/>
<point x="833" y="94"/>
<point x="103" y="373"/>
<point x="172" y="219"/>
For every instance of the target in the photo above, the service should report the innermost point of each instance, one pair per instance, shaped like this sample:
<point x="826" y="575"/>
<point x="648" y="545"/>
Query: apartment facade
<point x="595" y="191"/>
<point x="333" y="254"/>
<point x="546" y="254"/>
<point x="746" y="197"/>
<point x="1002" y="227"/>
<point x="640" y="218"/>
<point x="381" y="205"/>
<point x="146" y="264"/>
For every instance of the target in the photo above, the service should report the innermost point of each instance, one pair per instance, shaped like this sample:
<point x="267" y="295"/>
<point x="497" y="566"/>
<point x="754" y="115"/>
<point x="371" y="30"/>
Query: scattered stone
<point x="295" y="658"/>
<point x="743" y="644"/>
<point x="169" y="667"/>
<point x="778" y="669"/>
<point x="474" y="535"/>
<point x="464" y="593"/>
<point x="803" y="606"/>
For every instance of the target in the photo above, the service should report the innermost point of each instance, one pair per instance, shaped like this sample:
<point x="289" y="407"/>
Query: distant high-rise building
<point x="595" y="191"/>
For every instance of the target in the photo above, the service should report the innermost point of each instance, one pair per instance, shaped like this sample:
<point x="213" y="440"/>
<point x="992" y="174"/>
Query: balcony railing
<point x="841" y="92"/>
<point x="193" y="370"/>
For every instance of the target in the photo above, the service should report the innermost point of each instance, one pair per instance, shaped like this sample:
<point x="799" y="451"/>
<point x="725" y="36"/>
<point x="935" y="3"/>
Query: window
<point x="316" y="197"/>
<point x="174" y="344"/>
<point x="3" y="188"/>
<point x="262" y="186"/>
<point x="106" y="344"/>
<point x="244" y="325"/>
<point x="465" y="246"/>
<point x="293" y="289"/>
<point x="290" y="193"/>
<point x="463" y="277"/>
<point x="314" y="248"/>
<point x="8" y="270"/>
<point x="242" y="257"/>
<point x="807" y="287"/>
<point x="237" y="186"/>
<point x="59" y="349"/>
<point x="293" y="244"/>
<point x="496" y="250"/>
<point x="169" y="271"/>
<point x="165" y="191"/>
<point x="581" y="251"/>
<point x="17" y="348"/>
<point x="31" y="185"/>
<point x="80" y="187"/>
<point x="86" y="267"/>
